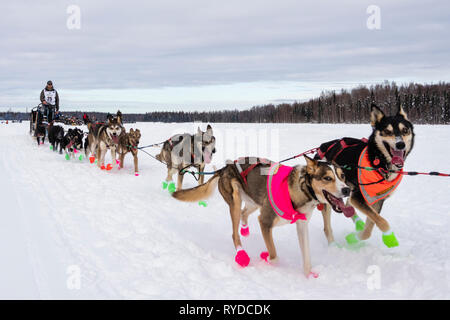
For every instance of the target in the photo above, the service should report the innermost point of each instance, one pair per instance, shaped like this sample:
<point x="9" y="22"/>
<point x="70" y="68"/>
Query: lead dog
<point x="391" y="141"/>
<point x="283" y="194"/>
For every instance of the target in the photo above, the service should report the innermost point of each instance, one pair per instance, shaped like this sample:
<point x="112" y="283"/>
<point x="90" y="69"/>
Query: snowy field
<point x="127" y="239"/>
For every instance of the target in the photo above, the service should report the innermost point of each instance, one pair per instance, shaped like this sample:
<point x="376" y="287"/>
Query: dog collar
<point x="310" y="189"/>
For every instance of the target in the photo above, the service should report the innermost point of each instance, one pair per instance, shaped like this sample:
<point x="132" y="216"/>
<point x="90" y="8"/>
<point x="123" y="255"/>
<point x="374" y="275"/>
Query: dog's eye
<point x="387" y="132"/>
<point x="327" y="179"/>
<point x="342" y="176"/>
<point x="405" y="131"/>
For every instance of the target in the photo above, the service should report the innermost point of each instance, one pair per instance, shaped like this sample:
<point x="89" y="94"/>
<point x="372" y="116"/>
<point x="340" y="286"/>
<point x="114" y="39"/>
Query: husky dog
<point x="73" y="140"/>
<point x="185" y="150"/>
<point x="283" y="194"/>
<point x="391" y="141"/>
<point x="102" y="137"/>
<point x="39" y="133"/>
<point x="129" y="142"/>
<point x="55" y="137"/>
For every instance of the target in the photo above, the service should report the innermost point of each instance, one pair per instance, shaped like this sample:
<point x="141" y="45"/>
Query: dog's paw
<point x="109" y="166"/>
<point x="136" y="174"/>
<point x="312" y="274"/>
<point x="242" y="258"/>
<point x="245" y="230"/>
<point x="389" y="239"/>
<point x="91" y="159"/>
<point x="102" y="167"/>
<point x="352" y="238"/>
<point x="264" y="256"/>
<point x="171" y="187"/>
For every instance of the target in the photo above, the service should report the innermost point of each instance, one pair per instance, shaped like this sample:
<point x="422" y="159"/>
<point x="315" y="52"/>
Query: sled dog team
<point x="365" y="171"/>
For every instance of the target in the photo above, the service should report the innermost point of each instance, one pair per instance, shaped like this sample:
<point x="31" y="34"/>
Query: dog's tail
<point x="200" y="192"/>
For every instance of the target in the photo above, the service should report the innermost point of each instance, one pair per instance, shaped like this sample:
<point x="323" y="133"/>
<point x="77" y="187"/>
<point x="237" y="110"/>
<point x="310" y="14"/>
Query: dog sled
<point x="37" y="117"/>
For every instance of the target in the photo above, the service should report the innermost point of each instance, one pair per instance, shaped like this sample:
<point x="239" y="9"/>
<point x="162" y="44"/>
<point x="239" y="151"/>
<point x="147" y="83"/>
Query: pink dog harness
<point x="278" y="193"/>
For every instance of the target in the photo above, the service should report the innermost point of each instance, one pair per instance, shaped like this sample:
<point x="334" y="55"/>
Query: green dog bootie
<point x="51" y="147"/>
<point x="389" y="239"/>
<point x="67" y="156"/>
<point x="171" y="187"/>
<point x="359" y="224"/>
<point x="80" y="157"/>
<point x="352" y="238"/>
<point x="202" y="203"/>
<point x="164" y="185"/>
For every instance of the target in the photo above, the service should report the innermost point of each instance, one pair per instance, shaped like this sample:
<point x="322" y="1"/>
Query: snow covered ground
<point x="122" y="236"/>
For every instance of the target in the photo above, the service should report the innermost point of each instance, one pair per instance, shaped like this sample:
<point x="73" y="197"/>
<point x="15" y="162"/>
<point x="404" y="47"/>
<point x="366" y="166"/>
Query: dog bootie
<point x="103" y="167"/>
<point x="171" y="187"/>
<point x="136" y="174"/>
<point x="242" y="258"/>
<point x="91" y="159"/>
<point x="51" y="147"/>
<point x="352" y="238"/>
<point x="80" y="157"/>
<point x="264" y="256"/>
<point x="67" y="156"/>
<point x="164" y="185"/>
<point x="359" y="224"/>
<point x="313" y="274"/>
<point x="245" y="230"/>
<point x="109" y="166"/>
<point x="389" y="239"/>
<point x="202" y="203"/>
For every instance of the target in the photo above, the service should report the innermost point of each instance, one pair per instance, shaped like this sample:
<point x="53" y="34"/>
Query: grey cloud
<point x="153" y="44"/>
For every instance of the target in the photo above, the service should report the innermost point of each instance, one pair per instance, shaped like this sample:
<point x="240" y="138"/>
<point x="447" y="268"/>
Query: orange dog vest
<point x="376" y="191"/>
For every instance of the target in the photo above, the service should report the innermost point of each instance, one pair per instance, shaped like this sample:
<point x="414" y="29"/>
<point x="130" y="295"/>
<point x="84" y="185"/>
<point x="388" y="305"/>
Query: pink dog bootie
<point x="264" y="256"/>
<point x="136" y="174"/>
<point x="245" y="231"/>
<point x="242" y="258"/>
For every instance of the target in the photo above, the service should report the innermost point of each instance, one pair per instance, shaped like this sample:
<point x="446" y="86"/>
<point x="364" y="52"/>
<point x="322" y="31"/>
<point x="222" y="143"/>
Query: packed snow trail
<point x="130" y="239"/>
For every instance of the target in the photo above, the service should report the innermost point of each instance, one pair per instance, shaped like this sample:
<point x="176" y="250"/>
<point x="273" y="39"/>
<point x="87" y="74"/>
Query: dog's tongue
<point x="348" y="211"/>
<point x="397" y="157"/>
<point x="207" y="157"/>
<point x="115" y="139"/>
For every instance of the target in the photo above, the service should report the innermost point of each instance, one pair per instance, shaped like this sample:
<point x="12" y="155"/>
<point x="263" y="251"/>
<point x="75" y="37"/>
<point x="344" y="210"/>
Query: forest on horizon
<point x="424" y="104"/>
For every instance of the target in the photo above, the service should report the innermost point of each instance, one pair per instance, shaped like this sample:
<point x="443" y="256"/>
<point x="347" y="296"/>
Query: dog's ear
<point x="310" y="164"/>
<point x="209" y="130"/>
<point x="375" y="115"/>
<point x="119" y="116"/>
<point x="401" y="112"/>
<point x="110" y="117"/>
<point x="131" y="130"/>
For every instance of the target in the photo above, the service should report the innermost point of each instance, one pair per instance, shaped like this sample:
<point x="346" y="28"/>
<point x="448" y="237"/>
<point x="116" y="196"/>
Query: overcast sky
<point x="191" y="54"/>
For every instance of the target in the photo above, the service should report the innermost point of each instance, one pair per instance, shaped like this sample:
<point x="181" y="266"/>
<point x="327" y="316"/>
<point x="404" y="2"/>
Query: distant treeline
<point x="424" y="103"/>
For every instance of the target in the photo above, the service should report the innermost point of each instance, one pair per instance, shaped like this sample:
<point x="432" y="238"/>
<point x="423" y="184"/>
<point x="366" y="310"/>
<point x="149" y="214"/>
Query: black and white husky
<point x="370" y="168"/>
